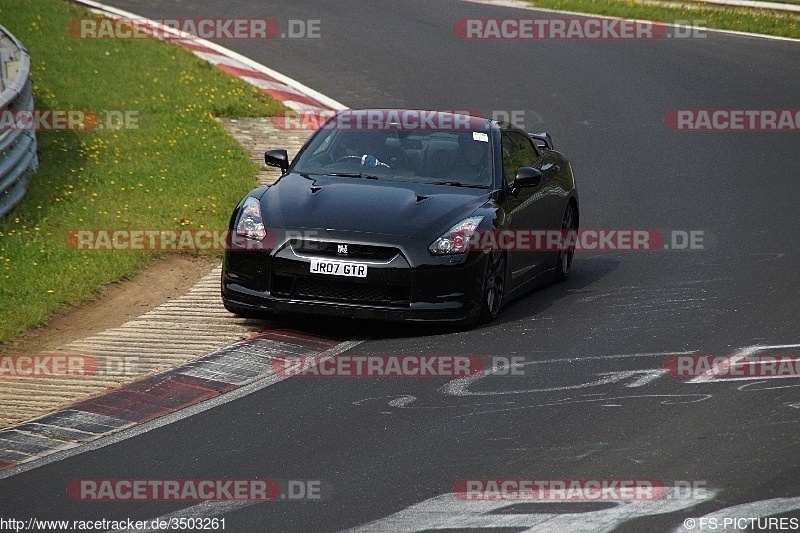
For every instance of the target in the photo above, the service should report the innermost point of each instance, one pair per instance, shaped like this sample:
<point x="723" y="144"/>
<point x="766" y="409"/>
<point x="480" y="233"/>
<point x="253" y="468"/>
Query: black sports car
<point x="375" y="216"/>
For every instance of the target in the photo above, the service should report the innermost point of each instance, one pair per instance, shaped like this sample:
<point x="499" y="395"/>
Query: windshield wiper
<point x="459" y="184"/>
<point x="353" y="175"/>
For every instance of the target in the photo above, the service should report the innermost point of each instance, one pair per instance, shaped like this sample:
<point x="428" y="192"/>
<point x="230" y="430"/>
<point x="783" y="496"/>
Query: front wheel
<point x="565" y="255"/>
<point x="494" y="285"/>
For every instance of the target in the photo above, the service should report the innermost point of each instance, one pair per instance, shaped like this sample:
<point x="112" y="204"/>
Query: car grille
<point x="336" y="290"/>
<point x="354" y="251"/>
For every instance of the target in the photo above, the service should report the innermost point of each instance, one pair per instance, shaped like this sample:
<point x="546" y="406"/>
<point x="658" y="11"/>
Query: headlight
<point x="456" y="239"/>
<point x="250" y="224"/>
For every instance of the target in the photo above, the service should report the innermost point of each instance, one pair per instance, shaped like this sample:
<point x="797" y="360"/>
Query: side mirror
<point x="527" y="177"/>
<point x="277" y="158"/>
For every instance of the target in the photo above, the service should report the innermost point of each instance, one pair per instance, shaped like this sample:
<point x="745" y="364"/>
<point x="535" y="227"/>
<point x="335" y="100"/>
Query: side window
<point x="518" y="152"/>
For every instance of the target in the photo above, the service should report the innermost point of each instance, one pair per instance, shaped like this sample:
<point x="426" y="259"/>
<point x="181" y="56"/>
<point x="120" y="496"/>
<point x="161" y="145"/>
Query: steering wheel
<point x="347" y="158"/>
<point x="362" y="159"/>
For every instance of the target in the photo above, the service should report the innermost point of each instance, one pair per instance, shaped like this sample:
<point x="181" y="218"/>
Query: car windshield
<point x="448" y="157"/>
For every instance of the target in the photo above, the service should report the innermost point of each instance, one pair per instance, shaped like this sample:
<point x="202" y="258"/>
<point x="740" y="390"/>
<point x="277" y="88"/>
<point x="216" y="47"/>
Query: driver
<point x="472" y="163"/>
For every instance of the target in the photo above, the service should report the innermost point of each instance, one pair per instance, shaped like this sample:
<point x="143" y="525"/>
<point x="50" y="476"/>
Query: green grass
<point x="762" y="21"/>
<point x="178" y="170"/>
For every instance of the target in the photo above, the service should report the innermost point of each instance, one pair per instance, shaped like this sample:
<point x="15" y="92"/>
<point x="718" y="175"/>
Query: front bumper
<point x="448" y="290"/>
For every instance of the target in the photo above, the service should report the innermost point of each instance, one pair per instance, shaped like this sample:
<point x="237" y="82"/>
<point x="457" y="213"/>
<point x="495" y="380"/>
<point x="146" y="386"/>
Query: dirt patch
<point x="159" y="282"/>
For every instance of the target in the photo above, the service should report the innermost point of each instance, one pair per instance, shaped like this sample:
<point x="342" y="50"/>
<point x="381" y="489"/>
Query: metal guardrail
<point x="17" y="145"/>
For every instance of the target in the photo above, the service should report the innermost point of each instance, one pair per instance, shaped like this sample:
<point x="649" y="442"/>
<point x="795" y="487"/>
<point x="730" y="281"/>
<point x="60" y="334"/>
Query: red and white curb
<point x="291" y="93"/>
<point x="228" y="369"/>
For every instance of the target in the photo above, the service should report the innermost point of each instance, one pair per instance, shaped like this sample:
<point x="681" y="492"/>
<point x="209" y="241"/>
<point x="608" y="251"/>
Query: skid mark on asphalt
<point x="461" y="397"/>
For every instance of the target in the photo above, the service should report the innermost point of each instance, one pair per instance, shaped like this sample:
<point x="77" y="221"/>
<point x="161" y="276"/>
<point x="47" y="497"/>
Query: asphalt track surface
<point x="604" y="103"/>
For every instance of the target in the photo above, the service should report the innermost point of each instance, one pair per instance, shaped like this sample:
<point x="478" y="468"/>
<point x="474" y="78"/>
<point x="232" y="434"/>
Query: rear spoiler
<point x="542" y="140"/>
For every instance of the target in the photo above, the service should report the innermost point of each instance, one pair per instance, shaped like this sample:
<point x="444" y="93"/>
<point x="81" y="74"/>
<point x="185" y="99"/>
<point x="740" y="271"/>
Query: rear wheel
<point x="565" y="255"/>
<point x="494" y="285"/>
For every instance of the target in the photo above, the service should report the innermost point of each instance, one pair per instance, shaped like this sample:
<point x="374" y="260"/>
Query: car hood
<point x="368" y="206"/>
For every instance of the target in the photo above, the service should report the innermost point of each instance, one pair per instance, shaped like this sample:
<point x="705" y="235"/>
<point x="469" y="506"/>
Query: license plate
<point x="338" y="268"/>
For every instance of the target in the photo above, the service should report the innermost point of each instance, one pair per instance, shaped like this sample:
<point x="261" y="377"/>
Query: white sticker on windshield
<point x="478" y="136"/>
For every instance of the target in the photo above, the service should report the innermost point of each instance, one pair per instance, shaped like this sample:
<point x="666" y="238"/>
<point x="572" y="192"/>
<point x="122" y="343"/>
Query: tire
<point x="565" y="256"/>
<point x="493" y="288"/>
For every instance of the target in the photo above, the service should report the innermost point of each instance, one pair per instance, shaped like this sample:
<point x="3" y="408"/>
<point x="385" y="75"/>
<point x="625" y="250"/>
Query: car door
<point x="552" y="195"/>
<point x="525" y="207"/>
